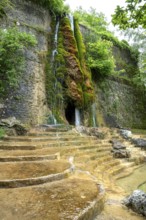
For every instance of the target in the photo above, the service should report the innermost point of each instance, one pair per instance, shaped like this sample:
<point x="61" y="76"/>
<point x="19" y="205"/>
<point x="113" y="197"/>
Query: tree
<point x="91" y="18"/>
<point x="131" y="16"/>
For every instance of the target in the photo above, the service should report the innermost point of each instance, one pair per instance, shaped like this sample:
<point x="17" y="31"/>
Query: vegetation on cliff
<point x="100" y="43"/>
<point x="98" y="56"/>
<point x="3" y="5"/>
<point x="56" y="7"/>
<point x="73" y="79"/>
<point x="12" y="58"/>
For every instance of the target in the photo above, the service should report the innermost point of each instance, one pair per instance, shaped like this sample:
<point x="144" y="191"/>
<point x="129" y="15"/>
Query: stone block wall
<point x="28" y="103"/>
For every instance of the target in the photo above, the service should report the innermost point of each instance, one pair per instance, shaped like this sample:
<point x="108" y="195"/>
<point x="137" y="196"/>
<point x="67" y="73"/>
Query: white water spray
<point x="54" y="52"/>
<point x="71" y="19"/>
<point x="56" y="33"/>
<point x="77" y="117"/>
<point x="94" y="115"/>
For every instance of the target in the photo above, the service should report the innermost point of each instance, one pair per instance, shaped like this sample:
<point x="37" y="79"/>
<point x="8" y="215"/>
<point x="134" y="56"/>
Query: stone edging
<point x="16" y="183"/>
<point x="94" y="208"/>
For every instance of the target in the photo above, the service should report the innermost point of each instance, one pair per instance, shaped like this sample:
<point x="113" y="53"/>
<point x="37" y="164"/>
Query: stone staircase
<point x="58" y="173"/>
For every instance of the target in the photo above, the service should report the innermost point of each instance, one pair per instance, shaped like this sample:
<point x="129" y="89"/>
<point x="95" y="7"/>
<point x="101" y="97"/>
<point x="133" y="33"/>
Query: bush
<point x="4" y="4"/>
<point x="2" y="133"/>
<point x="12" y="44"/>
<point x="100" y="58"/>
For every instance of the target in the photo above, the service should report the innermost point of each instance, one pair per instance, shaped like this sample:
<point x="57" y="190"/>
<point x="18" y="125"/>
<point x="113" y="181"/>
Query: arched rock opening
<point x="70" y="113"/>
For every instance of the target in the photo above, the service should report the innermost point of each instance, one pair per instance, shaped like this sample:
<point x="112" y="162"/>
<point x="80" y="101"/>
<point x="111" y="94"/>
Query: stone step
<point x="109" y="164"/>
<point x="95" y="147"/>
<point x="128" y="171"/>
<point x="31" y="153"/>
<point x="65" y="199"/>
<point x="100" y="158"/>
<point x="53" y="134"/>
<point x="54" y="128"/>
<point x="18" y="174"/>
<point x="103" y="158"/>
<point x="96" y="161"/>
<point x="34" y="145"/>
<point x="93" y="150"/>
<point x="118" y="169"/>
<point x="47" y="138"/>
<point x="28" y="158"/>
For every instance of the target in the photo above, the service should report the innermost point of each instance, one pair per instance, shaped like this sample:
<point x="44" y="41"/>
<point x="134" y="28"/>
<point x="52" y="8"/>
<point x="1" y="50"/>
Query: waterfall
<point x="56" y="33"/>
<point x="77" y="117"/>
<point x="54" y="52"/>
<point x="71" y="19"/>
<point x="94" y="115"/>
<point x="51" y="119"/>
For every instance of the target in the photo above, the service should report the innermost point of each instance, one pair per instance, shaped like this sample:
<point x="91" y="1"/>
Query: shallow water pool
<point x="136" y="180"/>
<point x="143" y="186"/>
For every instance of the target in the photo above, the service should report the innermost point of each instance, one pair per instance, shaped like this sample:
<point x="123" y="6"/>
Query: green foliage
<point x="3" y="5"/>
<point x="56" y="7"/>
<point x="97" y="37"/>
<point x="138" y="39"/>
<point x="2" y="133"/>
<point x="12" y="44"/>
<point x="99" y="57"/>
<point x="131" y="16"/>
<point x="80" y="43"/>
<point x="98" y="42"/>
<point x="91" y="19"/>
<point x="55" y="73"/>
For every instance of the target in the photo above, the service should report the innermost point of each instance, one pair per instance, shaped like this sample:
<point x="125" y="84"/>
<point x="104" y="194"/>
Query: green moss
<point x="80" y="44"/>
<point x="68" y="77"/>
<point x="88" y="98"/>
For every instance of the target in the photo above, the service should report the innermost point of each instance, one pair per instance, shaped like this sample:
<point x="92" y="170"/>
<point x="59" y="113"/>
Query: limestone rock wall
<point x="119" y="104"/>
<point x="28" y="103"/>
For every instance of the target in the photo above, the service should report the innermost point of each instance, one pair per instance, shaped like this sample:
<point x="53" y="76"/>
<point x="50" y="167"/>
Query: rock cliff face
<point x="119" y="104"/>
<point x="116" y="102"/>
<point x="28" y="102"/>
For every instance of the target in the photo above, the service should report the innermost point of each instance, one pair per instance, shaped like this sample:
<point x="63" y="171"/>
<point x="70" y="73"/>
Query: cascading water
<point x="52" y="118"/>
<point x="71" y="19"/>
<point x="77" y="117"/>
<point x="77" y="111"/>
<point x="54" y="52"/>
<point x="93" y="107"/>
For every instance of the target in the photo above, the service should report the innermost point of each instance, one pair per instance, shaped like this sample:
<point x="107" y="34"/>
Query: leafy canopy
<point x="131" y="16"/>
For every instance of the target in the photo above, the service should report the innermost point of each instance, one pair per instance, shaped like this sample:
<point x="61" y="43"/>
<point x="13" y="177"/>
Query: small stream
<point x="134" y="181"/>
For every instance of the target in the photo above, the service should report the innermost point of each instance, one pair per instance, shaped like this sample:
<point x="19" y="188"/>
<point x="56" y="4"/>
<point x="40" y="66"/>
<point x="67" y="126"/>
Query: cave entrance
<point x="70" y="113"/>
